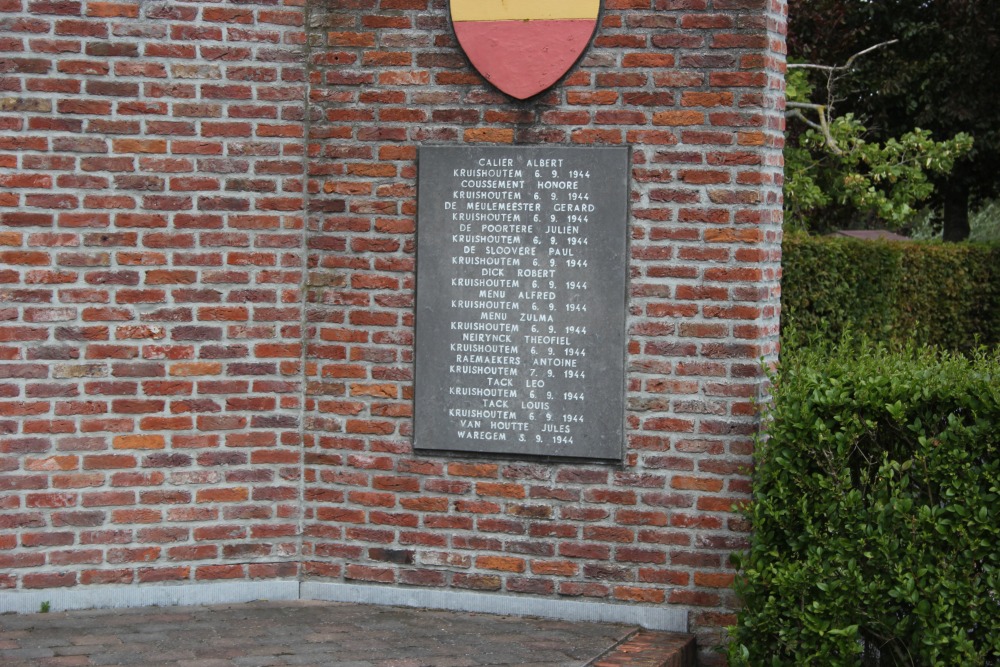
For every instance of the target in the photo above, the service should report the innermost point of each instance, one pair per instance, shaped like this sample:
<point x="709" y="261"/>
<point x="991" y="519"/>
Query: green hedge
<point x="876" y="513"/>
<point x="931" y="293"/>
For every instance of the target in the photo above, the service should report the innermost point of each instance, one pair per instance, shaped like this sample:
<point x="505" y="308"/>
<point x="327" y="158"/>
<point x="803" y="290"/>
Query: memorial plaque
<point x="521" y="292"/>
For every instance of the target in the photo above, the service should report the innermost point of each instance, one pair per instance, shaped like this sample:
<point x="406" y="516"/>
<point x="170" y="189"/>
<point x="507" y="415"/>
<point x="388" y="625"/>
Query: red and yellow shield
<point x="523" y="46"/>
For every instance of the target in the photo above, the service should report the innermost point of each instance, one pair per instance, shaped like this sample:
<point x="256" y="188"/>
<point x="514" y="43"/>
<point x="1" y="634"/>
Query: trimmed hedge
<point x="943" y="294"/>
<point x="876" y="513"/>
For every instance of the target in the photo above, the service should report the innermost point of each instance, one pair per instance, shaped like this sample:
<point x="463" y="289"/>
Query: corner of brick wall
<point x="151" y="217"/>
<point x="694" y="87"/>
<point x="207" y="223"/>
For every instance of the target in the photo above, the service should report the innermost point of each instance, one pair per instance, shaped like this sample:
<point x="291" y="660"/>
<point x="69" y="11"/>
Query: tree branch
<point x="823" y="126"/>
<point x="795" y="113"/>
<point x="824" y="68"/>
<point x="850" y="61"/>
<point x="847" y="65"/>
<point x="825" y="111"/>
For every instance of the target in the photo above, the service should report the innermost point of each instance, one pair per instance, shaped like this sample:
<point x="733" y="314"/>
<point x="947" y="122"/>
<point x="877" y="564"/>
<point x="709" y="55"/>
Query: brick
<point x="501" y="563"/>
<point x="501" y="490"/>
<point x="139" y="442"/>
<point x="170" y="366"/>
<point x="50" y="580"/>
<point x="642" y="595"/>
<point x="678" y="118"/>
<point x="473" y="470"/>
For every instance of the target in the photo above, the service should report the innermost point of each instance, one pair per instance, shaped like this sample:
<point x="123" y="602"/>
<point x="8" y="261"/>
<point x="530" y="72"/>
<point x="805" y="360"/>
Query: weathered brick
<point x="225" y="311"/>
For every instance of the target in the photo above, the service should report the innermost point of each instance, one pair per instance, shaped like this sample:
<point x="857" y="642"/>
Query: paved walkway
<point x="301" y="633"/>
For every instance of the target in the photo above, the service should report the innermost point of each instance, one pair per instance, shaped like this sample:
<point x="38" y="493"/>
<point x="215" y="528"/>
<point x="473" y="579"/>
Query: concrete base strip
<point x="653" y="618"/>
<point x="117" y="597"/>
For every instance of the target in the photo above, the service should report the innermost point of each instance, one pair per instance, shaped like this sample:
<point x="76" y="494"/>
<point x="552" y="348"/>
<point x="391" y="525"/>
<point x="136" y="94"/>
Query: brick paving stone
<point x="87" y="640"/>
<point x="26" y="654"/>
<point x="65" y="661"/>
<point x="268" y="634"/>
<point x="78" y="650"/>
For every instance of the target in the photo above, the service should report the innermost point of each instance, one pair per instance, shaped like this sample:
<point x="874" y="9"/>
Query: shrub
<point x="876" y="513"/>
<point x="943" y="294"/>
<point x="985" y="223"/>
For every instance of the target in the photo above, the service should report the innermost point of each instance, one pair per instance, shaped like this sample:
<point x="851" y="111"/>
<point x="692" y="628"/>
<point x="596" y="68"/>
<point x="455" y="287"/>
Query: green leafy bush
<point x="880" y="183"/>
<point x="876" y="513"/>
<point x="944" y="294"/>
<point x="985" y="223"/>
<point x="836" y="173"/>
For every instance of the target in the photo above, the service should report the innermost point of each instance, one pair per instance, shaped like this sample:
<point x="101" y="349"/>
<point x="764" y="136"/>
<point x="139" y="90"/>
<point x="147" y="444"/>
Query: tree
<point x="940" y="76"/>
<point x="836" y="176"/>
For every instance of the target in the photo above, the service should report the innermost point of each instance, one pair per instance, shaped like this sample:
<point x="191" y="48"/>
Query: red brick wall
<point x="166" y="416"/>
<point x="151" y="160"/>
<point x="693" y="87"/>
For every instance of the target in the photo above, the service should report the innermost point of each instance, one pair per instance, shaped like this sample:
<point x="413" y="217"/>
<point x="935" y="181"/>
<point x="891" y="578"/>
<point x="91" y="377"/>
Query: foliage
<point x="940" y="76"/>
<point x="929" y="293"/>
<point x="876" y="513"/>
<point x="836" y="175"/>
<point x="986" y="223"/>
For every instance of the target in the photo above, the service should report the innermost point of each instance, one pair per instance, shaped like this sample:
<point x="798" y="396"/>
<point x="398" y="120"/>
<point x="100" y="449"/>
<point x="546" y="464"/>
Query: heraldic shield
<point x="524" y="46"/>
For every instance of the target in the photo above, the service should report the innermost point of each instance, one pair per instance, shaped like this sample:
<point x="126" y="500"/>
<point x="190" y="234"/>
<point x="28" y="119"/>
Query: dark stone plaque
<point x="521" y="292"/>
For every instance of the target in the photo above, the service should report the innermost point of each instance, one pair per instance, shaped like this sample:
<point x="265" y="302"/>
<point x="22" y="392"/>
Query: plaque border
<point x="619" y="456"/>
